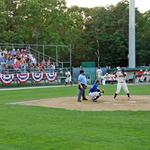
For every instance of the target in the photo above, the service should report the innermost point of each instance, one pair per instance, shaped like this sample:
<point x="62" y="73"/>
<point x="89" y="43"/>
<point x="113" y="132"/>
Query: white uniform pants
<point x="93" y="95"/>
<point x="120" y="86"/>
<point x="147" y="78"/>
<point x="99" y="78"/>
<point x="68" y="80"/>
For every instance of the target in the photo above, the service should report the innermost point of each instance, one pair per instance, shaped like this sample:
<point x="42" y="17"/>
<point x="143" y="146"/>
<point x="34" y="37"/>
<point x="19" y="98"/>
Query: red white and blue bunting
<point x="51" y="76"/>
<point x="7" y="79"/>
<point x="23" y="78"/>
<point x="37" y="77"/>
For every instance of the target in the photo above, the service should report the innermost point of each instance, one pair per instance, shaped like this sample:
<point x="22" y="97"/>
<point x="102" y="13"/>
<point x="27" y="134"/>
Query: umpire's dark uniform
<point x="82" y="84"/>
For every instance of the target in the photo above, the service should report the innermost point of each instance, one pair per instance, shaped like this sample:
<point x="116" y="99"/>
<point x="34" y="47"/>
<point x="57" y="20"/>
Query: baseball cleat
<point x="129" y="98"/>
<point x="115" y="99"/>
<point x="85" y="99"/>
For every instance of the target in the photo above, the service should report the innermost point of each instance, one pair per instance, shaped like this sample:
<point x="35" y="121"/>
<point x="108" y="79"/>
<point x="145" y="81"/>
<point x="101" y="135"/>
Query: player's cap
<point x="81" y="71"/>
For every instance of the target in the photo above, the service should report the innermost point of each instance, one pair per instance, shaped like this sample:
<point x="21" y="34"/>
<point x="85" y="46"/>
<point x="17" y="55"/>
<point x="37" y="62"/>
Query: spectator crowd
<point x="22" y="61"/>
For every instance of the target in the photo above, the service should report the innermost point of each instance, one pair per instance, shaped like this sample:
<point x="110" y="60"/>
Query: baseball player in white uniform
<point x="99" y="74"/>
<point x="121" y="79"/>
<point x="68" y="77"/>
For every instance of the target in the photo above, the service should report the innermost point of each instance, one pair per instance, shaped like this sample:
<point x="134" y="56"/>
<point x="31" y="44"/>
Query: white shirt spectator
<point x="15" y="60"/>
<point x="34" y="61"/>
<point x="5" y="51"/>
<point x="147" y="75"/>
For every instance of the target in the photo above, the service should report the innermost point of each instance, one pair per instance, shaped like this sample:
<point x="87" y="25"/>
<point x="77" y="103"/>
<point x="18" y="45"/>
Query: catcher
<point x="95" y="92"/>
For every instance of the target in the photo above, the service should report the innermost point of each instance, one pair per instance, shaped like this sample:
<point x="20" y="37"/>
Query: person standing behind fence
<point x="139" y="76"/>
<point x="68" y="77"/>
<point x="99" y="74"/>
<point x="82" y="84"/>
<point x="121" y="79"/>
<point x="147" y="75"/>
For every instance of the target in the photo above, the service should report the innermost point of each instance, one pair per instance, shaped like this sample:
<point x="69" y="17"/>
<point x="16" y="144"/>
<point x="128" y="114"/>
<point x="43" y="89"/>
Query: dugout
<point x="131" y="72"/>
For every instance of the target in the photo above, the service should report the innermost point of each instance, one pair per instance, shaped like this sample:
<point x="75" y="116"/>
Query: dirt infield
<point x="105" y="103"/>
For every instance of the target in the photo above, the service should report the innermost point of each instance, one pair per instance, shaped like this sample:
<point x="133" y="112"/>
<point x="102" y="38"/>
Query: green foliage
<point x="108" y="27"/>
<point x="143" y="33"/>
<point x="97" y="34"/>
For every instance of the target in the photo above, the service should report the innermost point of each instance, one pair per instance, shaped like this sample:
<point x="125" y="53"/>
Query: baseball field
<point x="28" y="124"/>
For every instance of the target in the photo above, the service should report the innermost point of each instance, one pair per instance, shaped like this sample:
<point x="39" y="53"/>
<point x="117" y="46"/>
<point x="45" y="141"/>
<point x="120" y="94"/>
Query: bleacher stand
<point x="22" y="61"/>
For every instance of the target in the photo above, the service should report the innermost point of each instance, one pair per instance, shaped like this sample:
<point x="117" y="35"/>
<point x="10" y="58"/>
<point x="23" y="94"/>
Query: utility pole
<point x="132" y="62"/>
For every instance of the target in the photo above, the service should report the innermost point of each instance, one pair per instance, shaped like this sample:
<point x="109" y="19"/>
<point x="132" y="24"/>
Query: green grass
<point x="38" y="128"/>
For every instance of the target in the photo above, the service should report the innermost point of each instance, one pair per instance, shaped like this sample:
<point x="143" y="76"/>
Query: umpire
<point x="82" y="84"/>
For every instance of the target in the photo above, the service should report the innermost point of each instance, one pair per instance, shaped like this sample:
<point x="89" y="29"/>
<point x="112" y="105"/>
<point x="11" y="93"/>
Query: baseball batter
<point x="121" y="79"/>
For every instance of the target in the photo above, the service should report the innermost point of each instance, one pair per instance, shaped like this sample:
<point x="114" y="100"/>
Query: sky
<point x="142" y="5"/>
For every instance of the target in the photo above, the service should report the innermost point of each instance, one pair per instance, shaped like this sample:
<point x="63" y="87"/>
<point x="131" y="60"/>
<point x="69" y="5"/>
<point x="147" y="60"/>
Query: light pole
<point x="132" y="63"/>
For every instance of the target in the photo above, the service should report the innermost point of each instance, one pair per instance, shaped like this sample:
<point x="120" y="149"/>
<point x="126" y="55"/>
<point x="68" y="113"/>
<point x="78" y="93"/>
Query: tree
<point x="96" y="34"/>
<point x="143" y="34"/>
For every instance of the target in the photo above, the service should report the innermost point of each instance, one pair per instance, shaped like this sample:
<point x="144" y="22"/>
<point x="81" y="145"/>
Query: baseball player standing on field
<point x="121" y="79"/>
<point x="68" y="77"/>
<point x="99" y="74"/>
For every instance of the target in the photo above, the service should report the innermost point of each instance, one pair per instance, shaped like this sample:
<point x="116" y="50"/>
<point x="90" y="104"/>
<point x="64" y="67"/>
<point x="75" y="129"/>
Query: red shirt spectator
<point x="140" y="73"/>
